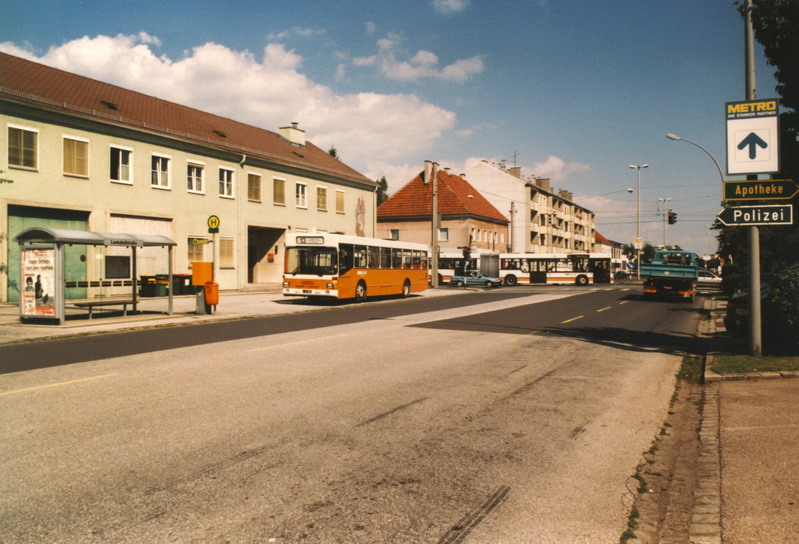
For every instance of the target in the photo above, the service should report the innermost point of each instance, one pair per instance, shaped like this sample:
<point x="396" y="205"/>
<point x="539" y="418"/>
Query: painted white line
<point x="603" y="309"/>
<point x="299" y="342"/>
<point x="572" y="319"/>
<point x="59" y="384"/>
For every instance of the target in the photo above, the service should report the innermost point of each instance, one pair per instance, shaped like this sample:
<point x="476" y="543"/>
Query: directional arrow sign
<point x="752" y="137"/>
<point x="766" y="189"/>
<point x="753" y="141"/>
<point x="751" y="216"/>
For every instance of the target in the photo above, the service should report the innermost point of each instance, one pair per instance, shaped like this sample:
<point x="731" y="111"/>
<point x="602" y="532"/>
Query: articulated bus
<point x="340" y="266"/>
<point x="451" y="262"/>
<point x="555" y="268"/>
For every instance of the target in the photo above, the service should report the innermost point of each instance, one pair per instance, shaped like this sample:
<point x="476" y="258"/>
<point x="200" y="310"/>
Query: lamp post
<point x="676" y="138"/>
<point x="664" y="200"/>
<point x="638" y="219"/>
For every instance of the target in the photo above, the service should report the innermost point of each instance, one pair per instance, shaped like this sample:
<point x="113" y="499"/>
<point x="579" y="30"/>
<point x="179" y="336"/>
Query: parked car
<point x="706" y="278"/>
<point x="475" y="278"/>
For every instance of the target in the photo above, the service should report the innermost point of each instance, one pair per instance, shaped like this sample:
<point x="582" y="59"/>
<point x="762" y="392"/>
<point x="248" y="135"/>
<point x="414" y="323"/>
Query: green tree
<point x="382" y="190"/>
<point x="333" y="152"/>
<point x="775" y="23"/>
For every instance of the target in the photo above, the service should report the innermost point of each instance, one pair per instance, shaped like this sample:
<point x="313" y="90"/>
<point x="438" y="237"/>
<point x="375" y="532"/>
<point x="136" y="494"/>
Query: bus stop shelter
<point x="42" y="263"/>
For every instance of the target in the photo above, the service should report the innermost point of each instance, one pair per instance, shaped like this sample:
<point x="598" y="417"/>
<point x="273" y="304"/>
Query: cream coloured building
<point x="541" y="220"/>
<point x="80" y="154"/>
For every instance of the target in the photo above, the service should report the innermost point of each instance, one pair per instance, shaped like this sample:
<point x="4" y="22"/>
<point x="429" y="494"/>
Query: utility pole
<point x="755" y="327"/>
<point x="431" y="175"/>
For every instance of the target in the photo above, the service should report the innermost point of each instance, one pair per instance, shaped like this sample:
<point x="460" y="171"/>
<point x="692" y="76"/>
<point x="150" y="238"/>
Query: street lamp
<point x="676" y="138"/>
<point x="664" y="200"/>
<point x="638" y="219"/>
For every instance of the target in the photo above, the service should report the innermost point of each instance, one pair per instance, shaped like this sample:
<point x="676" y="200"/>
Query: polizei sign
<point x="752" y="216"/>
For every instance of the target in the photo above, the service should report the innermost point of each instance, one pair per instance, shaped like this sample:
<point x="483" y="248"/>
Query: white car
<point x="706" y="277"/>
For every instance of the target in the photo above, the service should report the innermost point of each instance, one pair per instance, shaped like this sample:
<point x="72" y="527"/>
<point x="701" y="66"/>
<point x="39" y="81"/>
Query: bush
<point x="733" y="278"/>
<point x="783" y="310"/>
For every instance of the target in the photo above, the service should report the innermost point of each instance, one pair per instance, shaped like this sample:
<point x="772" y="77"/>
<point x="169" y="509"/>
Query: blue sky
<point x="574" y="90"/>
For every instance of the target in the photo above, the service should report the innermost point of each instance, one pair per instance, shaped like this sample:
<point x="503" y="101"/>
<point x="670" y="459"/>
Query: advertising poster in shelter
<point x="38" y="276"/>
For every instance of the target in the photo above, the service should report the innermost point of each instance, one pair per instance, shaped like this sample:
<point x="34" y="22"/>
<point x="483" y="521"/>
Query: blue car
<point x="475" y="278"/>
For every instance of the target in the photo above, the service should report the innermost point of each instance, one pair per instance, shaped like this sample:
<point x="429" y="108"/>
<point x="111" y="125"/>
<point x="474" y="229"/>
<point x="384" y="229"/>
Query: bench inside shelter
<point x="92" y="304"/>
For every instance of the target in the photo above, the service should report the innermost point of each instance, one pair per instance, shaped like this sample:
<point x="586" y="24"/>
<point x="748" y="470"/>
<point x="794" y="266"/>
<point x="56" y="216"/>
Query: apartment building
<point x="541" y="219"/>
<point x="81" y="154"/>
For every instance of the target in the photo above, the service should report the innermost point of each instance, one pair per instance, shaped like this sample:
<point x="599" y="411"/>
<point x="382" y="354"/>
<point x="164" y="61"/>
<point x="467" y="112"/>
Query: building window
<point x="279" y="191"/>
<point x="160" y="172"/>
<point x="443" y="235"/>
<point x="23" y="149"/>
<point x="76" y="157"/>
<point x="395" y="234"/>
<point x="120" y="161"/>
<point x="226" y="182"/>
<point x="226" y="259"/>
<point x="194" y="178"/>
<point x="254" y="187"/>
<point x="196" y="249"/>
<point x="301" y="199"/>
<point x="321" y="199"/>
<point x="340" y="202"/>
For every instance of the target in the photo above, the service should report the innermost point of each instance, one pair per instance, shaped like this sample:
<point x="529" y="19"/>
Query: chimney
<point x="428" y="169"/>
<point x="545" y="184"/>
<point x="515" y="171"/>
<point x="447" y="169"/>
<point x="293" y="135"/>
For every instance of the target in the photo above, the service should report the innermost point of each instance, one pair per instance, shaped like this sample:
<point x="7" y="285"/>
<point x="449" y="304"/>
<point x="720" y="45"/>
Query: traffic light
<point x="672" y="217"/>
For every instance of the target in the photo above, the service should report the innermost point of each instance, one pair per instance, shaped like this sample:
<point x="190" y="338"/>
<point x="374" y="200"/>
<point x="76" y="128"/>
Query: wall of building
<point x="474" y="233"/>
<point x="252" y="227"/>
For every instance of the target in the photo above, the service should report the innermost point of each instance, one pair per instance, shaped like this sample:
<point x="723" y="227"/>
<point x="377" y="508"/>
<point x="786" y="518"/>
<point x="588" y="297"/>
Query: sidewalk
<point x="748" y="478"/>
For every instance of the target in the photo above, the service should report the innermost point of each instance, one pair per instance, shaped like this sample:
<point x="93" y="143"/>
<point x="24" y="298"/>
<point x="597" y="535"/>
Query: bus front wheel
<point x="406" y="289"/>
<point x="582" y="280"/>
<point x="360" y="292"/>
<point x="510" y="280"/>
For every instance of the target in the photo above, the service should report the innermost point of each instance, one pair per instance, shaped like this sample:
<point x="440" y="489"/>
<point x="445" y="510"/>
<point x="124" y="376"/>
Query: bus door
<point x="538" y="272"/>
<point x="601" y="270"/>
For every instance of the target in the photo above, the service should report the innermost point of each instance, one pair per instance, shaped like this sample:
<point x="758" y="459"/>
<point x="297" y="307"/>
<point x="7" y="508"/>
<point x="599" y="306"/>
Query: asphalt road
<point x="504" y="416"/>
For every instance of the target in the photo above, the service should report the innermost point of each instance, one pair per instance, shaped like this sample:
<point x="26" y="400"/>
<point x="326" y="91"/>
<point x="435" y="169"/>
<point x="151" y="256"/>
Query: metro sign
<point x="752" y="136"/>
<point x="752" y="216"/>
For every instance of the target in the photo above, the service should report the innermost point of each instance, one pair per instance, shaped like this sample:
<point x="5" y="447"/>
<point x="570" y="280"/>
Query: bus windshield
<point x="320" y="261"/>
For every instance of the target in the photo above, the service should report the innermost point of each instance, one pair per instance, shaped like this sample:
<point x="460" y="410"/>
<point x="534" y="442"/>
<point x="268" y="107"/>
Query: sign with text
<point x="752" y="216"/>
<point x="766" y="189"/>
<point x="752" y="136"/>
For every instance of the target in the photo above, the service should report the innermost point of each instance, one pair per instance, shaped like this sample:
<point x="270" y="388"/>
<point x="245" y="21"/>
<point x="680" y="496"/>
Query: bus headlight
<point x="330" y="286"/>
<point x="285" y="285"/>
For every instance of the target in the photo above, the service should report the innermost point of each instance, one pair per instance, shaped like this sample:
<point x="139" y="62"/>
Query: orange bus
<point x="341" y="266"/>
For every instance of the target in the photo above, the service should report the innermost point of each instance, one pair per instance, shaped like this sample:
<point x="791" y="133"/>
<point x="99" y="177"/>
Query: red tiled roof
<point x="27" y="82"/>
<point x="455" y="197"/>
<point x="599" y="239"/>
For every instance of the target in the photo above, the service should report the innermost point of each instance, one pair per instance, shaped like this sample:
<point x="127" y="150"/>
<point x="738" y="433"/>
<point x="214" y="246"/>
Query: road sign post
<point x="752" y="216"/>
<point x="764" y="189"/>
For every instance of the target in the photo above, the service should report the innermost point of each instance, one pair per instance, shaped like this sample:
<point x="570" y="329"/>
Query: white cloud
<point x="301" y="31"/>
<point x="268" y="94"/>
<point x="420" y="65"/>
<point x="557" y="169"/>
<point x="450" y="6"/>
<point x="371" y="27"/>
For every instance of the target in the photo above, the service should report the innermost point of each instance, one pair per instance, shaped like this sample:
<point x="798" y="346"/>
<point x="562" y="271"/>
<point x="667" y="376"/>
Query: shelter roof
<point x="88" y="238"/>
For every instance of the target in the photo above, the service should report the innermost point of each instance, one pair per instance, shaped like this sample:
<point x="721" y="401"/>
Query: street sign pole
<point x="755" y="323"/>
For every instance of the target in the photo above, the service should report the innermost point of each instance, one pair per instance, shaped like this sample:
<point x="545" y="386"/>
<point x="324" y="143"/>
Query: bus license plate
<point x="307" y="291"/>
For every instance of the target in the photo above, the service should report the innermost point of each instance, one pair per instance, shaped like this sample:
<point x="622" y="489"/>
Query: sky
<point x="571" y="90"/>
